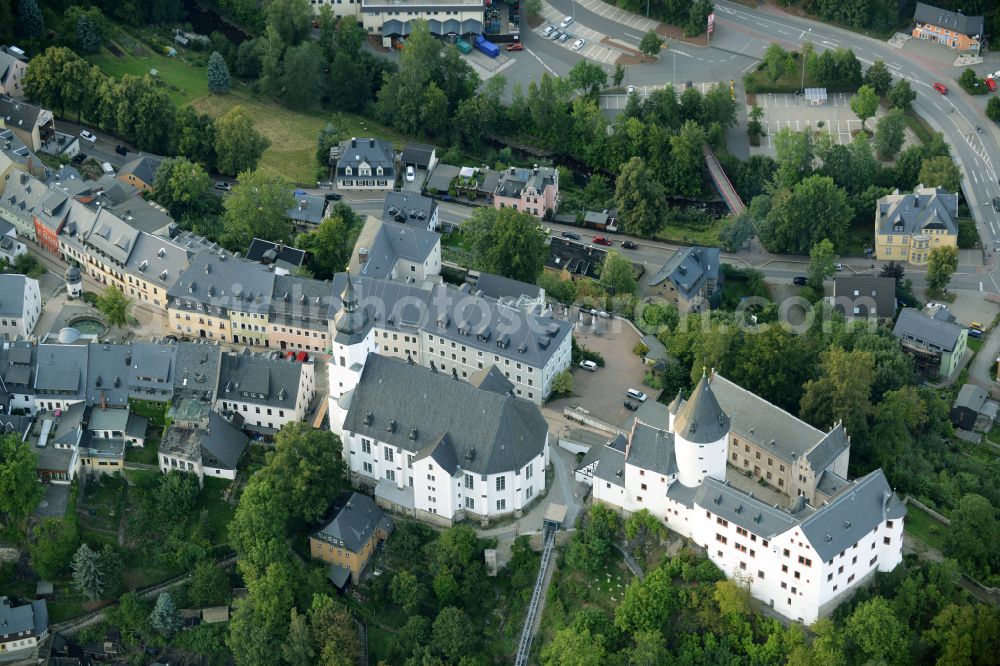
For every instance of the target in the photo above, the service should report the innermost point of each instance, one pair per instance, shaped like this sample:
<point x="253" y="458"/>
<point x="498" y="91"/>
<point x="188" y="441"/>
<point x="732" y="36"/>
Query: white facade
<point x="183" y="464"/>
<point x="20" y="317"/>
<point x="10" y="247"/>
<point x="696" y="461"/>
<point x="261" y="415"/>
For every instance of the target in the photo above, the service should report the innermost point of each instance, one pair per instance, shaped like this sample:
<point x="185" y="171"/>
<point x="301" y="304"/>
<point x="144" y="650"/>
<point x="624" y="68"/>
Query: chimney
<point x="534" y="169"/>
<point x="354" y="142"/>
<point x="916" y="201"/>
<point x="371" y="143"/>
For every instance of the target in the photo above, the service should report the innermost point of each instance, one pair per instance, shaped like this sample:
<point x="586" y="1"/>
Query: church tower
<point x="353" y="338"/>
<point x="701" y="431"/>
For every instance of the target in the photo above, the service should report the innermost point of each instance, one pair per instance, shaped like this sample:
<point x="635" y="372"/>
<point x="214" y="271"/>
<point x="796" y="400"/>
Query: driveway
<point x="981" y="370"/>
<point x="602" y="393"/>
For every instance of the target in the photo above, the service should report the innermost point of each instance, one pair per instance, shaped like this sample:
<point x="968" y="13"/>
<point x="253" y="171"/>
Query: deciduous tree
<point x="506" y="242"/>
<point x="777" y="62"/>
<point x="299" y="648"/>
<point x="941" y="171"/>
<point x="800" y="218"/>
<point x="889" y="134"/>
<point x="52" y="550"/>
<point x="209" y="585"/>
<point x="993" y="109"/>
<point x="640" y="199"/>
<point x="259" y="623"/>
<point x="238" y="144"/>
<point x="306" y="468"/>
<point x="562" y="383"/>
<point x="864" y="104"/>
<point x="334" y="631"/>
<point x="452" y="634"/>
<point x="570" y="647"/>
<point x="842" y="392"/>
<point x="257" y="530"/>
<point x="115" y="306"/>
<point x="184" y="189"/>
<point x="879" y="78"/>
<point x="650" y="44"/>
<point x="330" y="244"/>
<point x="974" y="527"/>
<point x="875" y="632"/>
<point x="821" y="268"/>
<point x="588" y="77"/>
<point x="195" y="137"/>
<point x="257" y="208"/>
<point x="941" y="265"/>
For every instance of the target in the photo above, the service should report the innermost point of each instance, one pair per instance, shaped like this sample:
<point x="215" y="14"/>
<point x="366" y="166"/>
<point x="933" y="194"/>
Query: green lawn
<point x="919" y="525"/>
<point x="186" y="82"/>
<point x="219" y="512"/>
<point x="292" y="133"/>
<point x="147" y="454"/>
<point x="708" y="236"/>
<point x="155" y="412"/>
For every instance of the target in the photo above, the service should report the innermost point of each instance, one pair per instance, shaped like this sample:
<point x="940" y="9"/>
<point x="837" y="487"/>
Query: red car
<point x="940" y="87"/>
<point x="515" y="46"/>
<point x="601" y="240"/>
<point x="991" y="84"/>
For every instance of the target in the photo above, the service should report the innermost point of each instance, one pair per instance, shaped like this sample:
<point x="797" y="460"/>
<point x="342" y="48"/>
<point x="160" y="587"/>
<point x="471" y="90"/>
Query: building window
<point x="501" y="505"/>
<point x="784" y="568"/>
<point x="390" y="474"/>
<point x="470" y="503"/>
<point x="468" y="481"/>
<point x="886" y="540"/>
<point x="366" y="446"/>
<point x="387" y="453"/>
<point x="720" y="538"/>
<point x="806" y="561"/>
<point x="527" y="471"/>
<point x="501" y="483"/>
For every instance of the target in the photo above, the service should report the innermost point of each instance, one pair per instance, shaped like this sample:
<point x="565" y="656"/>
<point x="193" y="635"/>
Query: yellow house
<point x="909" y="226"/>
<point x="348" y="541"/>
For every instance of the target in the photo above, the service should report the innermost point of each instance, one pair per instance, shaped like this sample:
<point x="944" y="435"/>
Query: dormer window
<point x="347" y="171"/>
<point x="378" y="171"/>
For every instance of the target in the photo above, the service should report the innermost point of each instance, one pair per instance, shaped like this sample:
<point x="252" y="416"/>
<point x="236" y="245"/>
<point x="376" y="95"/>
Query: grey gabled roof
<point x="196" y="367"/>
<point x="443" y="453"/>
<point x="152" y="366"/>
<point x="849" y="516"/>
<point x="514" y="180"/>
<point x="417" y="153"/>
<point x="355" y="523"/>
<point x="143" y="167"/>
<point x="412" y="407"/>
<point x="740" y="508"/>
<point x="971" y="397"/>
<point x="222" y="444"/>
<point x="218" y="280"/>
<point x="112" y="236"/>
<point x="960" y="23"/>
<point x="107" y="374"/>
<point x="498" y="286"/>
<point x="652" y="449"/>
<point x="280" y="254"/>
<point x="861" y="291"/>
<point x="610" y="464"/>
<point x="309" y="209"/>
<point x="913" y="324"/>
<point x="17" y="619"/>
<point x="756" y="419"/>
<point x="61" y="369"/>
<point x="689" y="269"/>
<point x="301" y="302"/>
<point x="12" y="287"/>
<point x="159" y="261"/>
<point x="17" y="114"/>
<point x="491" y="379"/>
<point x="244" y="376"/>
<point x="388" y="242"/>
<point x="924" y="208"/>
<point x="108" y="419"/>
<point x="446" y="312"/>
<point x="826" y="451"/>
<point x="408" y="208"/>
<point x="701" y="420"/>
<point x="375" y="152"/>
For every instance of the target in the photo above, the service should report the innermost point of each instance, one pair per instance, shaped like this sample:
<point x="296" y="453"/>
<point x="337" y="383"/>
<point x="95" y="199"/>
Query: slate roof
<point x="17" y="366"/>
<point x="740" y="508"/>
<point x="689" y="269"/>
<point x="196" y="368"/>
<point x="108" y="419"/>
<point x="852" y="514"/>
<point x="351" y="322"/>
<point x="222" y="444"/>
<point x="224" y="283"/>
<point x="413" y="408"/>
<point x="143" y="168"/>
<point x="914" y="325"/>
<point x="108" y="374"/>
<point x="152" y="366"/>
<point x="302" y="302"/>
<point x="858" y="291"/>
<point x="12" y="289"/>
<point x="18" y="114"/>
<point x="30" y="617"/>
<point x="22" y="193"/>
<point x="408" y="208"/>
<point x="830" y="483"/>
<point x="354" y="523"/>
<point x="444" y="310"/>
<point x="259" y="379"/>
<point x="308" y="209"/>
<point x="652" y="449"/>
<point x="701" y="420"/>
<point x="498" y="286"/>
<point x="112" y="236"/>
<point x="610" y="464"/>
<point x="515" y="180"/>
<point x="826" y="451"/>
<point x="140" y="214"/>
<point x="53" y="209"/>
<point x="960" y="23"/>
<point x="374" y="152"/>
<point x="924" y="208"/>
<point x="756" y="419"/>
<point x="388" y="242"/>
<point x="491" y="379"/>
<point x="61" y="370"/>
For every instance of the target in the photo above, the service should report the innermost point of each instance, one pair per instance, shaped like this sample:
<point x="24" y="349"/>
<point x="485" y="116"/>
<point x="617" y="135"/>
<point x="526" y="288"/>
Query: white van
<point x="588" y="365"/>
<point x="636" y="395"/>
<point x="107" y="168"/>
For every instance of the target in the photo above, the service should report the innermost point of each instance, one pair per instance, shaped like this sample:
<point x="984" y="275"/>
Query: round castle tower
<point x="353" y="339"/>
<point x="701" y="431"/>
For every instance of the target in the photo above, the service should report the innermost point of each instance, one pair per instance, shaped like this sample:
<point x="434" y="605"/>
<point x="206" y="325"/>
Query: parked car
<point x="588" y="365"/>
<point x="601" y="240"/>
<point x="799" y="280"/>
<point x="79" y="158"/>
<point x="223" y="185"/>
<point x="121" y="150"/>
<point x="515" y="46"/>
<point x="570" y="235"/>
<point x="555" y="34"/>
<point x="975" y="334"/>
<point x="977" y="325"/>
<point x="636" y="394"/>
<point x="991" y="84"/>
<point x="548" y="30"/>
<point x="996" y="204"/>
<point x="940" y="87"/>
<point x="566" y="21"/>
<point x="332" y="196"/>
<point x="838" y="267"/>
<point x="578" y="44"/>
<point x="630" y="89"/>
<point x="88" y="135"/>
<point x="565" y="37"/>
<point x="629" y="245"/>
<point x="107" y="168"/>
<point x="411" y="175"/>
<point x="631" y="406"/>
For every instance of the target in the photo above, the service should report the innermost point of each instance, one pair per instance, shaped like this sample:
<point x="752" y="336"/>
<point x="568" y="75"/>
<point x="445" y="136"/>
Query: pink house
<point x="534" y="190"/>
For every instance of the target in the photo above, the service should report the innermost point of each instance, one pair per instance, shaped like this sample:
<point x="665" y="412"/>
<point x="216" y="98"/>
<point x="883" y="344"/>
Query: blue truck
<point x="487" y="47"/>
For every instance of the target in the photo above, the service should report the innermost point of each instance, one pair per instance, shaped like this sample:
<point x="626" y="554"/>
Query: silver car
<point x="565" y="37"/>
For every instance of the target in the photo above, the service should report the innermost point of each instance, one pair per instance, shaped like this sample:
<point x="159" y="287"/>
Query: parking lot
<point x="611" y="12"/>
<point x="793" y="112"/>
<point x="593" y="49"/>
<point x="602" y="393"/>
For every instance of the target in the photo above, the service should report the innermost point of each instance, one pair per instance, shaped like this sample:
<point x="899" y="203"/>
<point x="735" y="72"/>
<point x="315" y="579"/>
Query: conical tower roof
<point x="676" y="404"/>
<point x="701" y="419"/>
<point x="351" y="323"/>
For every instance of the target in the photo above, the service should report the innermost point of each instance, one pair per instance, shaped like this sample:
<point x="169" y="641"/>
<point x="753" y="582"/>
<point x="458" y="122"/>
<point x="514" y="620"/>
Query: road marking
<point x="749" y="67"/>
<point x="980" y="285"/>
<point x="679" y="52"/>
<point x="628" y="34"/>
<point x="542" y="62"/>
